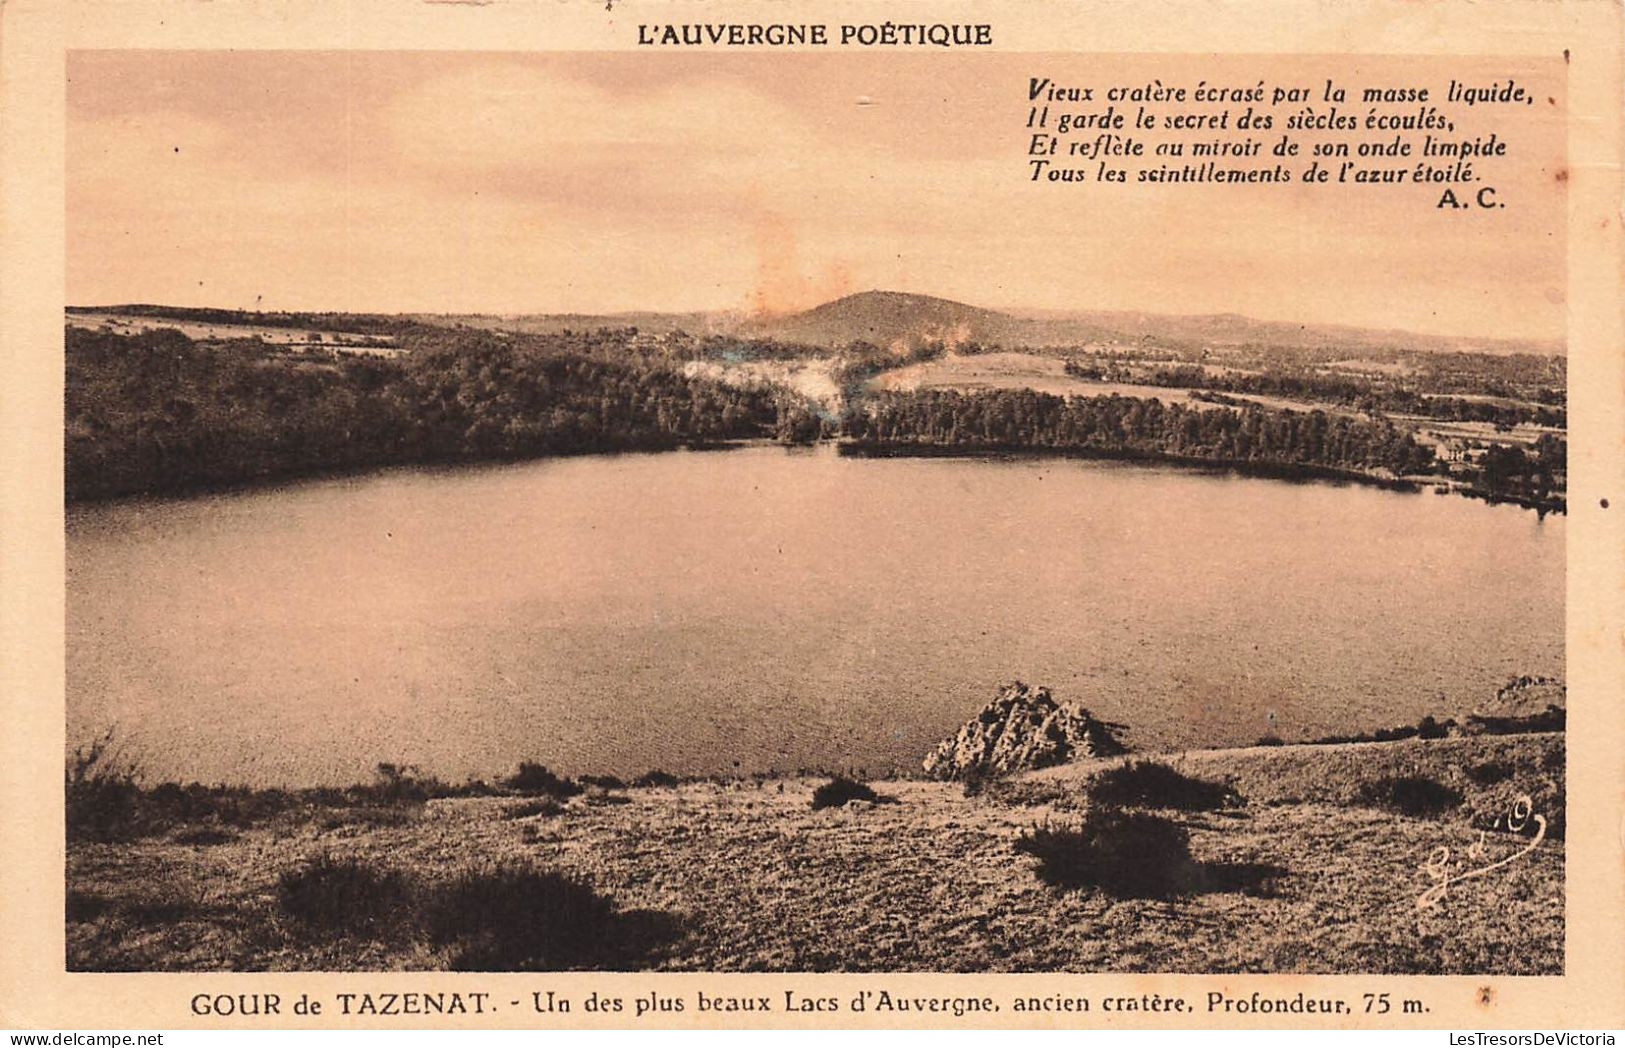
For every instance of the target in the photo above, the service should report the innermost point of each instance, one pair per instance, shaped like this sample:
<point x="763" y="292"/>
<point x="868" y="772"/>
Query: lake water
<point x="767" y="608"/>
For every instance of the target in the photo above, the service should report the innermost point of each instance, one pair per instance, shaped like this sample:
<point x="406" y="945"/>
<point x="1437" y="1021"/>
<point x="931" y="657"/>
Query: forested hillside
<point x="158" y="412"/>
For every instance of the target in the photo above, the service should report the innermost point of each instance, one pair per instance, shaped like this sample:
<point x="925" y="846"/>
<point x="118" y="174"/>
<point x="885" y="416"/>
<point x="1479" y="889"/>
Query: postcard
<point x="711" y="514"/>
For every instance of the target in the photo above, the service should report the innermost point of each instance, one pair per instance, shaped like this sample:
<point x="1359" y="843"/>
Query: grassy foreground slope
<point x="1312" y="864"/>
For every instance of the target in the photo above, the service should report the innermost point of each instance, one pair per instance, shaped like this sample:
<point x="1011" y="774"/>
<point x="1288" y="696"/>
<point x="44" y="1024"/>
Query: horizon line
<point x="1012" y="312"/>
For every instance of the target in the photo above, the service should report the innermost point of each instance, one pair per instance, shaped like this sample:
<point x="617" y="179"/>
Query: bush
<point x="514" y="917"/>
<point x="109" y="805"/>
<point x="170" y="803"/>
<point x="102" y="800"/>
<point x="1428" y="728"/>
<point x="654" y="777"/>
<point x="537" y="778"/>
<point x="400" y="784"/>
<point x="1125" y="854"/>
<point x="342" y="895"/>
<point x="494" y="917"/>
<point x="1148" y="784"/>
<point x="1413" y="795"/>
<point x="602" y="782"/>
<point x="840" y="790"/>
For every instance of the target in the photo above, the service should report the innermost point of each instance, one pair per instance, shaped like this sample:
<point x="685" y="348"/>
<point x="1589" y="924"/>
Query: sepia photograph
<point x="828" y="510"/>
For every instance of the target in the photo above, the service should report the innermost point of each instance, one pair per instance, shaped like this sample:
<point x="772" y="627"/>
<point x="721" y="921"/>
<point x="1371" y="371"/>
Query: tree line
<point x="1129" y="426"/>
<point x="158" y="412"/>
<point x="1351" y="391"/>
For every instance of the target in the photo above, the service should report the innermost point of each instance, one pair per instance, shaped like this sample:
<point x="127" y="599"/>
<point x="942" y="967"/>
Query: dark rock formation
<point x="1022" y="728"/>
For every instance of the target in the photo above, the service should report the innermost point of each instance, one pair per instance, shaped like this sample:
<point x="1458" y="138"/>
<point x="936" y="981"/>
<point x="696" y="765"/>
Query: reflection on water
<point x="764" y="608"/>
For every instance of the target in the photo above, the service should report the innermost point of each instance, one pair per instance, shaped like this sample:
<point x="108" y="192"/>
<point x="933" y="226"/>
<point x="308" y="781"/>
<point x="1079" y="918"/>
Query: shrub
<point x="602" y="782"/>
<point x="654" y="777"/>
<point x="514" y="917"/>
<point x="1413" y="795"/>
<point x="840" y="790"/>
<point x="235" y="806"/>
<point x="342" y="895"/>
<point x="105" y="802"/>
<point x="537" y="778"/>
<point x="1428" y="728"/>
<point x="1124" y="854"/>
<point x="102" y="798"/>
<point x="1148" y="784"/>
<point x="400" y="784"/>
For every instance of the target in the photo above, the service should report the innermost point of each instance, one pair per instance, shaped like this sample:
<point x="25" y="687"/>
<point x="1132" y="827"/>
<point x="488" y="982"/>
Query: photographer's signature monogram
<point x="1439" y="863"/>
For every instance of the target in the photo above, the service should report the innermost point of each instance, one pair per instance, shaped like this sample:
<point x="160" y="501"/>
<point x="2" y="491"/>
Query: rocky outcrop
<point x="1024" y="727"/>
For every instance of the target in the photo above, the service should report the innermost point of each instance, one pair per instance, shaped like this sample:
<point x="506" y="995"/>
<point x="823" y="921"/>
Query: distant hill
<point x="901" y="319"/>
<point x="887" y="318"/>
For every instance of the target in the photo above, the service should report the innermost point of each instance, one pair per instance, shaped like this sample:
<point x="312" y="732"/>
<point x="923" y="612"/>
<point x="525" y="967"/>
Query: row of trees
<point x="1353" y="391"/>
<point x="376" y="324"/>
<point x="1131" y="426"/>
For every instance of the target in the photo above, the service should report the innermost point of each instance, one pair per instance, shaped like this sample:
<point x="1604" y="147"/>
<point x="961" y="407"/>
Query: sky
<point x="600" y="182"/>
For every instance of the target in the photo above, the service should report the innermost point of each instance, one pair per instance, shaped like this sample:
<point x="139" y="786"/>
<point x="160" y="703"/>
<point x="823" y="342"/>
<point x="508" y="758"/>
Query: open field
<point x="1042" y="374"/>
<point x="1312" y="862"/>
<point x="298" y="338"/>
<point x="1481" y="432"/>
<point x="1047" y="374"/>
